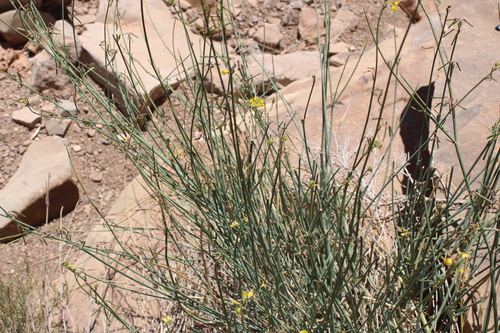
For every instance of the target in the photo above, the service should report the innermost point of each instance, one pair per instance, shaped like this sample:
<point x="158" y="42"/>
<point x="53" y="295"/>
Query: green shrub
<point x="259" y="240"/>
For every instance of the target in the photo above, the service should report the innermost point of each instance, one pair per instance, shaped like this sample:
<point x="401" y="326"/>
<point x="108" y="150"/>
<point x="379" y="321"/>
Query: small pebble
<point x="104" y="141"/>
<point x="77" y="148"/>
<point x="96" y="176"/>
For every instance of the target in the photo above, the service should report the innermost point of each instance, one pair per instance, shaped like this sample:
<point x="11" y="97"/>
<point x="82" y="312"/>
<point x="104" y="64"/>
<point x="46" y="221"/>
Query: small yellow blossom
<point x="394" y="5"/>
<point x="224" y="71"/>
<point x="463" y="255"/>
<point x="448" y="261"/>
<point x="234" y="224"/>
<point x="235" y="302"/>
<point x="239" y="310"/>
<point x="404" y="232"/>
<point x="304" y="331"/>
<point x="69" y="266"/>
<point x="257" y="102"/>
<point x="167" y="320"/>
<point x="263" y="285"/>
<point x="247" y="294"/>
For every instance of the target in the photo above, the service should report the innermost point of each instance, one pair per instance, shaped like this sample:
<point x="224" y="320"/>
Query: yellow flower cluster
<point x="448" y="261"/>
<point x="224" y="71"/>
<point x="167" y="320"/>
<point x="257" y="102"/>
<point x="394" y="5"/>
<point x="246" y="295"/>
<point x="69" y="266"/>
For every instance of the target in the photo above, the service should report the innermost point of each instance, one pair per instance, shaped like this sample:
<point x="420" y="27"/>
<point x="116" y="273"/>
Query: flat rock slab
<point x="476" y="52"/>
<point x="13" y="28"/>
<point x="134" y="208"/>
<point x="160" y="46"/>
<point x="27" y="117"/>
<point x="45" y="172"/>
<point x="283" y="69"/>
<point x="353" y="106"/>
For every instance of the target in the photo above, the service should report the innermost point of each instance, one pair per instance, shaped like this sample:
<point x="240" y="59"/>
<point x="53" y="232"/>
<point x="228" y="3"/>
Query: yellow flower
<point x="236" y="302"/>
<point x="304" y="331"/>
<point x="239" y="310"/>
<point x="167" y="320"/>
<point x="263" y="285"/>
<point x="224" y="71"/>
<point x="247" y="294"/>
<point x="448" y="261"/>
<point x="234" y="224"/>
<point x="463" y="255"/>
<point x="69" y="266"/>
<point x="394" y="5"/>
<point x="257" y="102"/>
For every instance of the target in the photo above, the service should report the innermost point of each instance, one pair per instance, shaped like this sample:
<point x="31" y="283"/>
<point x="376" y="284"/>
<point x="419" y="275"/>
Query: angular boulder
<point x="282" y="69"/>
<point x="46" y="73"/>
<point x="311" y="25"/>
<point x="163" y="52"/>
<point x="14" y="26"/>
<point x="42" y="188"/>
<point x="268" y="35"/>
<point x="27" y="116"/>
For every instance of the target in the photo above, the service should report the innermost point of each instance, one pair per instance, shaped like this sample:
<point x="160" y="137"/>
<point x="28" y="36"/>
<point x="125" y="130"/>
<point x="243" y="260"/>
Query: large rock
<point x="45" y="173"/>
<point x="268" y="35"/>
<point x="344" y="20"/>
<point x="134" y="209"/>
<point x="354" y="86"/>
<point x="14" y="26"/>
<point x="311" y="25"/>
<point x="474" y="117"/>
<point x="282" y="69"/>
<point x="109" y="41"/>
<point x="46" y="73"/>
<point x="476" y="113"/>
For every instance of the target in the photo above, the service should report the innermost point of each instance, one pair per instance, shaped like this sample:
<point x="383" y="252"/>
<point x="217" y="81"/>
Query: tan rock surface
<point x="352" y="107"/>
<point x="166" y="40"/>
<point x="39" y="184"/>
<point x="134" y="209"/>
<point x="13" y="27"/>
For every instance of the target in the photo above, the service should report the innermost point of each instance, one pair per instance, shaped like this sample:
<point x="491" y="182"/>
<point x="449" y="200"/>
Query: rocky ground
<point x="103" y="171"/>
